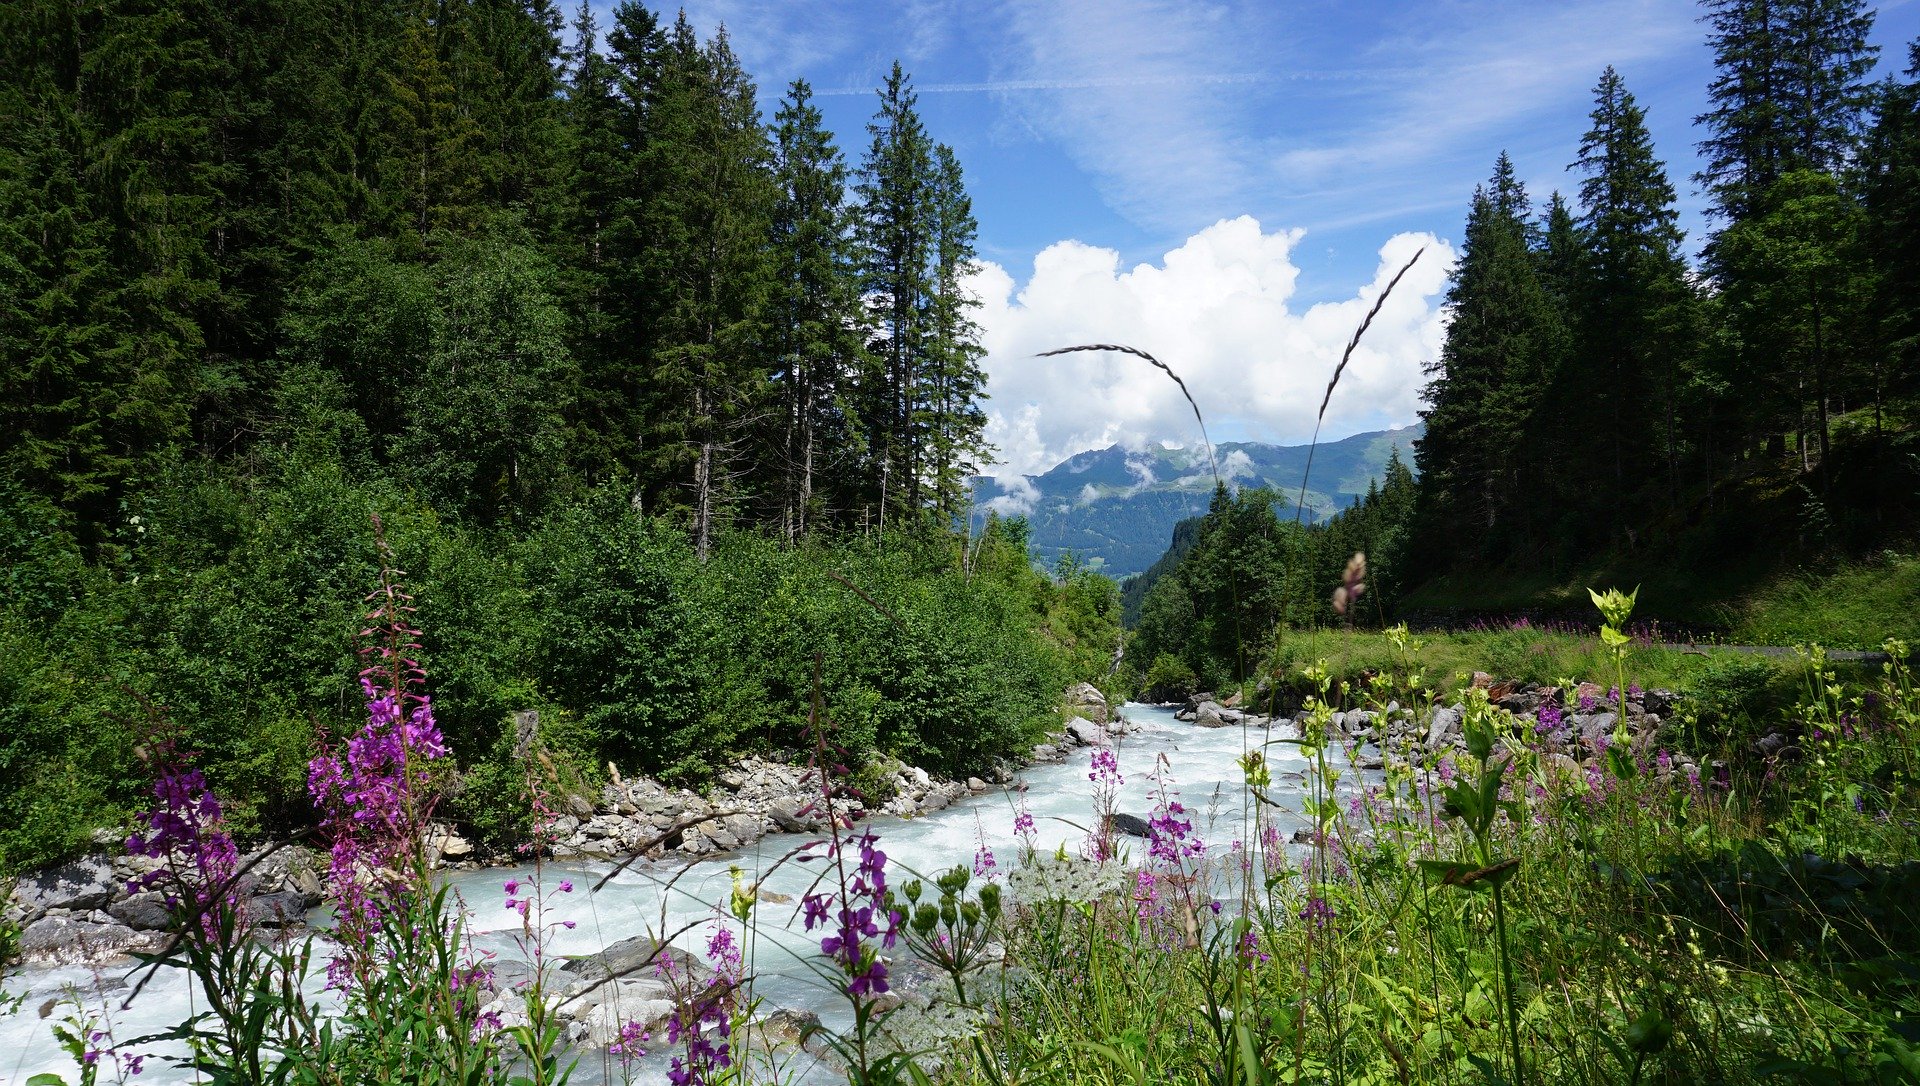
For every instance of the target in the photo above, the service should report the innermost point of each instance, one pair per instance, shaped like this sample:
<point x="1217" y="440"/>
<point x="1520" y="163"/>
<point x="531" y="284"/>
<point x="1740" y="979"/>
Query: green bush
<point x="1731" y="695"/>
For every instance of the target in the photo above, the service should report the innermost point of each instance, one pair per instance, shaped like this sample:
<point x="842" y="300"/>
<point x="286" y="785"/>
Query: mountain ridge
<point x="1115" y="508"/>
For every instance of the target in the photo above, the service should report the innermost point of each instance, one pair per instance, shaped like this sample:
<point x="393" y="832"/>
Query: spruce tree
<point x="704" y="273"/>
<point x="1487" y="384"/>
<point x="1634" y="323"/>
<point x="1789" y="94"/>
<point x="896" y="236"/>
<point x="1890" y="192"/>
<point x="817" y="320"/>
<point x="954" y="383"/>
<point x="598" y="167"/>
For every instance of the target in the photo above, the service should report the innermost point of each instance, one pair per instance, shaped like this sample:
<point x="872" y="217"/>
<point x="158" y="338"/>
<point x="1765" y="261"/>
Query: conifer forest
<point x="495" y="586"/>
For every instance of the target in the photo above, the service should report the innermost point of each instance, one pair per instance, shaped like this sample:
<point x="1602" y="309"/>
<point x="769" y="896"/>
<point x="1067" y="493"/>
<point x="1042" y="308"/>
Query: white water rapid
<point x="1201" y="769"/>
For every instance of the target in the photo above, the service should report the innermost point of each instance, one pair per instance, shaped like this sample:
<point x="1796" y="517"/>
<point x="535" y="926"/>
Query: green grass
<point x="1448" y="660"/>
<point x="1856" y="606"/>
<point x="1653" y="930"/>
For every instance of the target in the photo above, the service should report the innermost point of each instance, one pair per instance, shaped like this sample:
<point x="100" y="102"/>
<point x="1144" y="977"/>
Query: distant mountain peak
<point x="1116" y="507"/>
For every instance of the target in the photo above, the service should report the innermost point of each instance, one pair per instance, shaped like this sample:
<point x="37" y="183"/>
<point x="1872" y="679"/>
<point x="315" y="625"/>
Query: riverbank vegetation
<point x="646" y="389"/>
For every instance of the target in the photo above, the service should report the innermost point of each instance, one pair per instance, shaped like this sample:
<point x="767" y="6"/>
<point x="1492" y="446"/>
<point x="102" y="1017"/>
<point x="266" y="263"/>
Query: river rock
<point x="1660" y="701"/>
<point x="1442" y="726"/>
<point x="1131" y="825"/>
<point x="143" y="912"/>
<point x="1087" y="733"/>
<point x="789" y="1028"/>
<point x="976" y="785"/>
<point x="1211" y="714"/>
<point x="86" y="883"/>
<point x="1593" y="727"/>
<point x="597" y="1016"/>
<point x="65" y="940"/>
<point x="637" y="956"/>
<point x="1086" y="700"/>
<point x="786" y="814"/>
<point x="284" y="909"/>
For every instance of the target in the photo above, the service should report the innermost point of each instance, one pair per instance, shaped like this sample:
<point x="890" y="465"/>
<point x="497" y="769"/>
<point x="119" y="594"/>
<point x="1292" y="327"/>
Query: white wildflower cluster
<point x="928" y="1026"/>
<point x="1058" y="878"/>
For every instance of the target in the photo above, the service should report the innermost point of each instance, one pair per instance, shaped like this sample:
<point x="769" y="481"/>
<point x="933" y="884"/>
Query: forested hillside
<point x="1728" y="432"/>
<point x="1602" y="398"/>
<point x="627" y="369"/>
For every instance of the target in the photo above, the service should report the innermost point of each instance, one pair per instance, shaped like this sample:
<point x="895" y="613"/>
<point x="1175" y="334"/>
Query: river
<point x="1200" y="766"/>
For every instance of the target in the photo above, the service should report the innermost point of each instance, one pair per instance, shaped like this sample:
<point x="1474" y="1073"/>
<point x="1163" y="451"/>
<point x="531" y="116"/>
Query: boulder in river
<point x="640" y="955"/>
<point x="66" y="940"/>
<point x="1087" y="733"/>
<point x="1085" y="699"/>
<point x="1131" y="825"/>
<point x="1442" y="726"/>
<point x="86" y="883"/>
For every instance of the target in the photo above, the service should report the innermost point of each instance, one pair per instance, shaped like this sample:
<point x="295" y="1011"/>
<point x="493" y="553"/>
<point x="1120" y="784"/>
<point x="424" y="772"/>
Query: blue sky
<point x="1224" y="184"/>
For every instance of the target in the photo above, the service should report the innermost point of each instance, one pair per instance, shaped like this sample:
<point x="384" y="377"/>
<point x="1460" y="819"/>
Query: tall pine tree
<point x="818" y="322"/>
<point x="1634" y="321"/>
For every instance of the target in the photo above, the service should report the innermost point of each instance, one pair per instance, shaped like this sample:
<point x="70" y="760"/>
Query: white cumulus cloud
<point x="1217" y="311"/>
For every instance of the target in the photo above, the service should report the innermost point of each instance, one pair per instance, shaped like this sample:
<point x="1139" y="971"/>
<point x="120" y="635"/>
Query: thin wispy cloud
<point x="1188" y="79"/>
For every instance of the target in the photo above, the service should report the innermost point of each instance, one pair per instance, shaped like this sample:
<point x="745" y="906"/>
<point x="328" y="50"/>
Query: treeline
<point x="637" y="380"/>
<point x="1205" y="615"/>
<point x="527" y="262"/>
<point x="1598" y="395"/>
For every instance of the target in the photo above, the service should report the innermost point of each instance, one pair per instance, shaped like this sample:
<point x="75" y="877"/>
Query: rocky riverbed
<point x="87" y="911"/>
<point x="1586" y="716"/>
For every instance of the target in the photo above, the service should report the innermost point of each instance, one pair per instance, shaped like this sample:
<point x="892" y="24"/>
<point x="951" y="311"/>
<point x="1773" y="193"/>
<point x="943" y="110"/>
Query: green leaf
<point x="1649" y="1033"/>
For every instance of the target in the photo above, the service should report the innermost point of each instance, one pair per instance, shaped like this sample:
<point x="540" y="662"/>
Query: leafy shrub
<point x="1730" y="695"/>
<point x="1168" y="679"/>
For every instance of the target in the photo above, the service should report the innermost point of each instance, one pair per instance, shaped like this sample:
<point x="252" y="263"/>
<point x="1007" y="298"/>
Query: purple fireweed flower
<point x="373" y="795"/>
<point x="856" y="922"/>
<point x="723" y="951"/>
<point x="983" y="862"/>
<point x="629" y="1045"/>
<point x="1106" y="769"/>
<point x="1317" y="912"/>
<point x="187" y="831"/>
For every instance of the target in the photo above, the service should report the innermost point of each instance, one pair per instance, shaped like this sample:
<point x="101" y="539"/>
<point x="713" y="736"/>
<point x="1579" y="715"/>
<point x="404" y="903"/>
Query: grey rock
<point x="1211" y="714"/>
<point x="143" y="912"/>
<point x="786" y="815"/>
<point x="285" y="909"/>
<point x="935" y="801"/>
<point x="745" y="828"/>
<point x="789" y="1028"/>
<point x="86" y="883"/>
<point x="1131" y="825"/>
<point x="1593" y="727"/>
<point x="62" y="940"/>
<point x="975" y="784"/>
<point x="598" y="1011"/>
<point x="639" y="956"/>
<point x="1087" y="701"/>
<point x="1445" y="722"/>
<point x="579" y="806"/>
<point x="1087" y="733"/>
